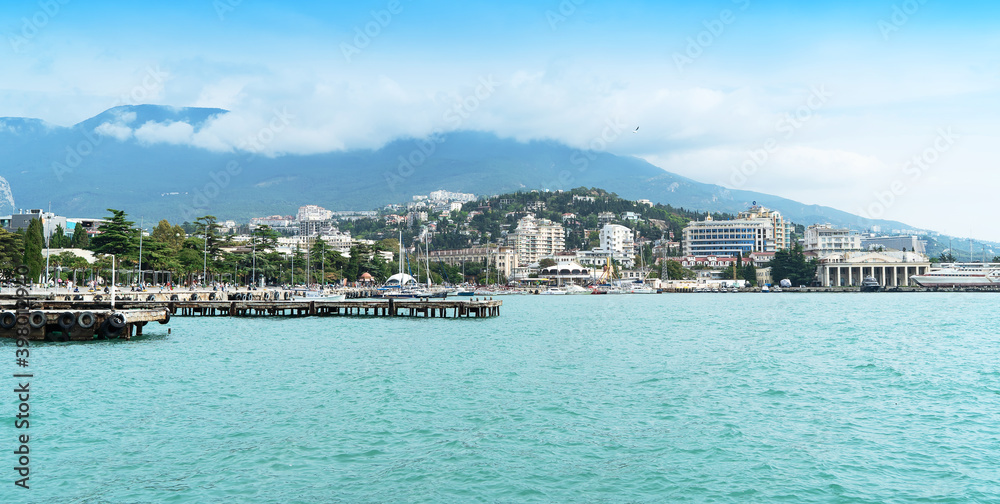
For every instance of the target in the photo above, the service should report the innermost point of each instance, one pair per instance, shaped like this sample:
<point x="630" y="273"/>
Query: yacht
<point x="960" y="275"/>
<point x="870" y="284"/>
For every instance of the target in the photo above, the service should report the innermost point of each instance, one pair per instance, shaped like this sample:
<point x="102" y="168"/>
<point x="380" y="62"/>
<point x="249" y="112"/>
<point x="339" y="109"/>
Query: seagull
<point x="636" y="130"/>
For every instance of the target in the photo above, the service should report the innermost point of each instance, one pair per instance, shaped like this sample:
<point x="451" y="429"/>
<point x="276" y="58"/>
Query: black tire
<point x="85" y="320"/>
<point x="167" y="319"/>
<point x="98" y="298"/>
<point x="116" y="321"/>
<point x="8" y="320"/>
<point x="78" y="297"/>
<point x="173" y="297"/>
<point x="36" y="320"/>
<point x="66" y="320"/>
<point x="151" y="297"/>
<point x="194" y="297"/>
<point x="211" y="296"/>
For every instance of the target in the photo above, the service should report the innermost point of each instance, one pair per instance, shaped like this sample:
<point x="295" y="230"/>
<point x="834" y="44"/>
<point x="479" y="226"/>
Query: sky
<point x="886" y="109"/>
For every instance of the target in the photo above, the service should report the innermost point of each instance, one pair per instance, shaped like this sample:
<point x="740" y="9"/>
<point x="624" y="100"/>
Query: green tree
<point x="792" y="264"/>
<point x="11" y="252"/>
<point x="80" y="237"/>
<point x="33" y="244"/>
<point x="546" y="263"/>
<point x="117" y="236"/>
<point x="677" y="272"/>
<point x="59" y="238"/>
<point x="171" y="236"/>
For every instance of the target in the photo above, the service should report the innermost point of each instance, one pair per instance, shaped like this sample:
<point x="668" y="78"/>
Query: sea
<point x="733" y="397"/>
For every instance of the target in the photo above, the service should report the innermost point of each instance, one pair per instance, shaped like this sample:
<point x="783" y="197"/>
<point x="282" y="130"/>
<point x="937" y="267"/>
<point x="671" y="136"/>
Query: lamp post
<point x="204" y="274"/>
<point x="112" y="282"/>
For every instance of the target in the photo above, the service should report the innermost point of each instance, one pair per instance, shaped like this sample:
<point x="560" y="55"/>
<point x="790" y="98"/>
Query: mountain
<point x="100" y="163"/>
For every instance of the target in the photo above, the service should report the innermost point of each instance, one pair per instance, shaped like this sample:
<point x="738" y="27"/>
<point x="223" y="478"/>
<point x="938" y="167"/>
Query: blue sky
<point x="709" y="83"/>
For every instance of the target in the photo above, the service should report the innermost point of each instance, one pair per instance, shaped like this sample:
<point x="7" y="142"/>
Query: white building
<point x="824" y="239"/>
<point x="536" y="238"/>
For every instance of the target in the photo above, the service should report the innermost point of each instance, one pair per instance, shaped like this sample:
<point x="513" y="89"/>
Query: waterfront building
<point x="782" y="228"/>
<point x="534" y="239"/>
<point x="890" y="269"/>
<point x="504" y="259"/>
<point x="729" y="237"/>
<point x="567" y="270"/>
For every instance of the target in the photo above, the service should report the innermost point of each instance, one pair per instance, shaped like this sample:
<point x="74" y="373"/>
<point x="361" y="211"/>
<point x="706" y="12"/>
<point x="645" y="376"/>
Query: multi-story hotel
<point x="536" y="238"/>
<point x="782" y="228"/>
<point x="729" y="238"/>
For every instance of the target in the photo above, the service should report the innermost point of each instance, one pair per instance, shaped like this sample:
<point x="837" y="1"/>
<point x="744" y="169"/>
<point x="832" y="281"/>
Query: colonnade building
<point x="890" y="269"/>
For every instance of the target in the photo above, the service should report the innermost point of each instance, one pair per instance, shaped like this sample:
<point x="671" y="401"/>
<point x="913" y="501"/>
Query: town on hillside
<point x="582" y="237"/>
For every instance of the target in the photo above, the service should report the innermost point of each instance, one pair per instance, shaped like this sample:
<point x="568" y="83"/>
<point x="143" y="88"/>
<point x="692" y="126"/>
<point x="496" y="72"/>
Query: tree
<point x="33" y="244"/>
<point x="80" y="237"/>
<point x="546" y="262"/>
<point x="171" y="236"/>
<point x="945" y="258"/>
<point x="59" y="238"/>
<point x="792" y="264"/>
<point x="677" y="272"/>
<point x="117" y="236"/>
<point x="11" y="252"/>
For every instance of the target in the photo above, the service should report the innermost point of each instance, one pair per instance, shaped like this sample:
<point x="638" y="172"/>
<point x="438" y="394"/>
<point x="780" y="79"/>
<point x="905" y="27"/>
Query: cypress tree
<point x="80" y="237"/>
<point x="33" y="244"/>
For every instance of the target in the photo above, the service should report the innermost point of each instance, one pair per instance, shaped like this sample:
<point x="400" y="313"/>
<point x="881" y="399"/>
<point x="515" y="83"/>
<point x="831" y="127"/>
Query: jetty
<point x="80" y="323"/>
<point x="86" y="316"/>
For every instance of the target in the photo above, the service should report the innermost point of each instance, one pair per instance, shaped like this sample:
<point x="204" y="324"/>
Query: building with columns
<point x="891" y="269"/>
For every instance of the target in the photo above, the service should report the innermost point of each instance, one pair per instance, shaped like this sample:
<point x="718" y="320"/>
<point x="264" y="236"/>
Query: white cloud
<point x="171" y="133"/>
<point x="118" y="131"/>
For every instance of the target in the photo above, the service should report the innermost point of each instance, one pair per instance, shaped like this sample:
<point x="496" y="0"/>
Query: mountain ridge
<point x="85" y="169"/>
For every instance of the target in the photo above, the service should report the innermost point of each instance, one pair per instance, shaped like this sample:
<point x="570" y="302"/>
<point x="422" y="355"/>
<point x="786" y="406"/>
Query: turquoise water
<point x="668" y="398"/>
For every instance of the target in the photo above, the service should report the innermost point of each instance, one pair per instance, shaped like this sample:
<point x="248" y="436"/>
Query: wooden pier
<point x="431" y="308"/>
<point x="79" y="323"/>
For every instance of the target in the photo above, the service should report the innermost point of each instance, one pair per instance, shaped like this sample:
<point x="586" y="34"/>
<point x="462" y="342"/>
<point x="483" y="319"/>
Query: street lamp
<point x="112" y="282"/>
